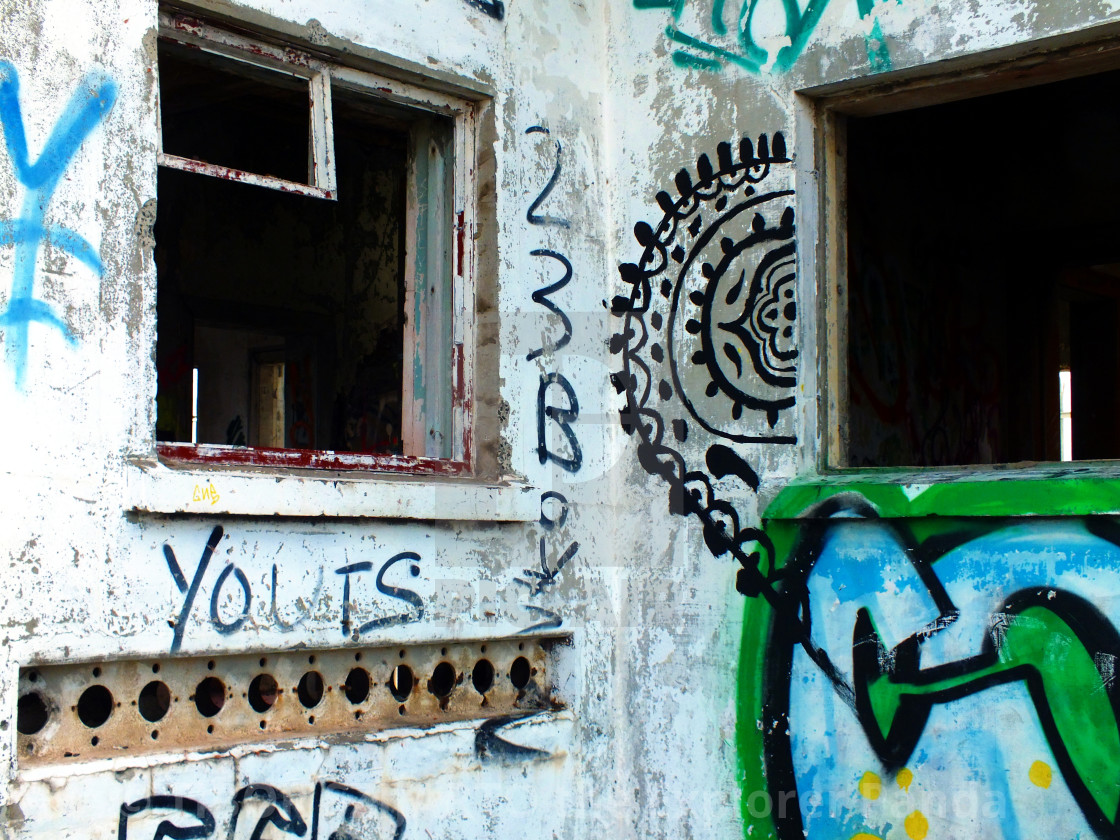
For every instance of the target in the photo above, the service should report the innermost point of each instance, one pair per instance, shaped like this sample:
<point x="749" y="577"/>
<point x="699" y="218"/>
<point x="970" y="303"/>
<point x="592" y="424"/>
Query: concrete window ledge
<point x="152" y="487"/>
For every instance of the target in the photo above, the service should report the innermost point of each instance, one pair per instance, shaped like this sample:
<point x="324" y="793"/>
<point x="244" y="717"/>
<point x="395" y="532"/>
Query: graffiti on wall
<point x="709" y="338"/>
<point x="27" y="233"/>
<point x="711" y="34"/>
<point x="945" y="676"/>
<point x="494" y="8"/>
<point x="359" y="815"/>
<point x="900" y="675"/>
<point x="232" y="579"/>
<point x="557" y="405"/>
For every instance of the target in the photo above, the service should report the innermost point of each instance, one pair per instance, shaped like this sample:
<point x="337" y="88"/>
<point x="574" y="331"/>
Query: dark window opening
<point x="984" y="279"/>
<point x="281" y="316"/>
<point x="229" y="113"/>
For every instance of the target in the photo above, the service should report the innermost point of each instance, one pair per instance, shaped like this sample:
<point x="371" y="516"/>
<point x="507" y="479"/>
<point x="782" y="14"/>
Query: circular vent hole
<point x="210" y="696"/>
<point x="482" y="676"/>
<point x="154" y="701"/>
<point x="310" y="689"/>
<point x="357" y="685"/>
<point x="400" y="683"/>
<point x="32" y="713"/>
<point x="520" y="672"/>
<point x="443" y="680"/>
<point x="95" y="705"/>
<point x="263" y="691"/>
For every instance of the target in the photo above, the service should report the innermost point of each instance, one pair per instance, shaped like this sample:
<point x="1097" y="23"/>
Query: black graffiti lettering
<point x="399" y="593"/>
<point x="494" y="8"/>
<point x="226" y="625"/>
<point x="406" y="595"/>
<point x="541" y="296"/>
<point x="166" y="828"/>
<point x="563" y="417"/>
<point x="723" y="461"/>
<point x="489" y="745"/>
<point x="531" y="214"/>
<point x="549" y="572"/>
<point x="547" y="522"/>
<point x="306" y="608"/>
<point x="551" y="619"/>
<point x="281" y="812"/>
<point x="181" y="582"/>
<point x="346" y="571"/>
<point x="215" y="619"/>
<point x="399" y="822"/>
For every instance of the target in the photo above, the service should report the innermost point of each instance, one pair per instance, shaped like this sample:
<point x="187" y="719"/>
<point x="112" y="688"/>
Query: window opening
<point x="233" y="114"/>
<point x="304" y="264"/>
<point x="984" y="279"/>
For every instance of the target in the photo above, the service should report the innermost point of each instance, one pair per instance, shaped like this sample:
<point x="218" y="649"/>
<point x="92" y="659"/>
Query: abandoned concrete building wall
<point x="506" y="487"/>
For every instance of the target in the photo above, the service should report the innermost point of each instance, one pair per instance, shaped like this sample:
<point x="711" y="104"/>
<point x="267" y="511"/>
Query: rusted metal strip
<point x="73" y="713"/>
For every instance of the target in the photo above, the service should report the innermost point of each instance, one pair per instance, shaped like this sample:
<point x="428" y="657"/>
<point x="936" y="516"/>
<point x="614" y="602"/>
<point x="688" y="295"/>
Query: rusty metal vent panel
<point x="70" y="713"/>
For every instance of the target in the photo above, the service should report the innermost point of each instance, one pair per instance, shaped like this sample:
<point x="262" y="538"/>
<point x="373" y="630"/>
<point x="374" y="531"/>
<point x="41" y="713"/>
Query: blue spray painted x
<point x="90" y="103"/>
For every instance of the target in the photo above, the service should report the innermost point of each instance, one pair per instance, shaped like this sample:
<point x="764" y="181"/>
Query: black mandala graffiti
<point x="709" y="336"/>
<point x="738" y="325"/>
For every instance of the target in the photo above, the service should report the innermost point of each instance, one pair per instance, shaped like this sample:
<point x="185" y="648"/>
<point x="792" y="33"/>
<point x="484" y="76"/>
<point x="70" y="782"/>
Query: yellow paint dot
<point x="917" y="826"/>
<point x="870" y="786"/>
<point x="865" y="836"/>
<point x="904" y="778"/>
<point x="1040" y="774"/>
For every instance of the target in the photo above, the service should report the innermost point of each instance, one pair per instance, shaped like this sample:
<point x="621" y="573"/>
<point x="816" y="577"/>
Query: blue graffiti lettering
<point x="92" y="100"/>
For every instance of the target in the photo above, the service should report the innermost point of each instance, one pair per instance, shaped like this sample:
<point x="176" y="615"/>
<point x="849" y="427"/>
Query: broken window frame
<point x="437" y="387"/>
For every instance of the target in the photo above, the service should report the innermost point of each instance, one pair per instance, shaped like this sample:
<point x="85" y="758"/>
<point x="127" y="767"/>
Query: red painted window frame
<point x="187" y="454"/>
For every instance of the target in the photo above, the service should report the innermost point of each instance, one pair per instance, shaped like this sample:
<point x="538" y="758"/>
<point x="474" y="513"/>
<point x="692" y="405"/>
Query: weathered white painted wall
<point x="590" y="91"/>
<point x="667" y="110"/>
<point x="93" y="583"/>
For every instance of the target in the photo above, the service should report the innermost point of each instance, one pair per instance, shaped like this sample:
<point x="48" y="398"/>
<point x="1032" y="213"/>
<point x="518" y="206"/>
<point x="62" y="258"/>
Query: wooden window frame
<point x="437" y="427"/>
<point x="822" y="190"/>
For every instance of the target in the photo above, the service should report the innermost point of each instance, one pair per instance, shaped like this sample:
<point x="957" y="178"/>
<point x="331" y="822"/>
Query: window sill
<point x="1057" y="489"/>
<point x="187" y="455"/>
<point x="155" y="487"/>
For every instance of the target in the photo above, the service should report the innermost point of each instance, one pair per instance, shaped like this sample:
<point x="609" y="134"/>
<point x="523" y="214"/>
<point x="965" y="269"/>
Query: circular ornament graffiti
<point x="709" y="333"/>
